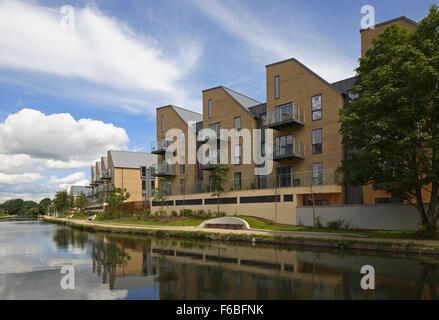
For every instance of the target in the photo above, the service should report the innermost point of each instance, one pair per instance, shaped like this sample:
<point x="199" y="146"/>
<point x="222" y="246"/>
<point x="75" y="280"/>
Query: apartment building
<point x="75" y="191"/>
<point x="302" y="109"/>
<point x="122" y="169"/>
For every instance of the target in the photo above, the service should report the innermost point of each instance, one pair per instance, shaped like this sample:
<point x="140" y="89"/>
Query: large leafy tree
<point x="44" y="204"/>
<point x="394" y="125"/>
<point x="61" y="201"/>
<point x="81" y="201"/>
<point x="13" y="206"/>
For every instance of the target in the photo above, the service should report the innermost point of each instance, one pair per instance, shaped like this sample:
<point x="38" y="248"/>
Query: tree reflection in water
<point x="428" y="276"/>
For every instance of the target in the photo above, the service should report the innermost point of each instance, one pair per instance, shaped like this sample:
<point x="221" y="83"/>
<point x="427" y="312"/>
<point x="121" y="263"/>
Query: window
<point x="143" y="184"/>
<point x="262" y="182"/>
<point x="316" y="107"/>
<point x="216" y="127"/>
<point x="284" y="176"/>
<point x="237" y="154"/>
<point x="143" y="171"/>
<point x="283" y="113"/>
<point x="284" y="145"/>
<point x="166" y="187"/>
<point x="210" y="108"/>
<point x="317" y="141"/>
<point x="182" y="141"/>
<point x="163" y="123"/>
<point x="317" y="173"/>
<point x="182" y="164"/>
<point x="237" y="180"/>
<point x="237" y="125"/>
<point x="276" y="87"/>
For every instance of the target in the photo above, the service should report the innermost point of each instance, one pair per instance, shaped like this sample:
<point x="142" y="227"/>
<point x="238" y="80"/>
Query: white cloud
<point x="20" y="178"/>
<point x="101" y="50"/>
<point x="70" y="179"/>
<point x="272" y="42"/>
<point x="15" y="163"/>
<point x="58" y="138"/>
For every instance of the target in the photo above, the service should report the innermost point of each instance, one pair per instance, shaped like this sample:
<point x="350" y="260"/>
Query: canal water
<point x="107" y="266"/>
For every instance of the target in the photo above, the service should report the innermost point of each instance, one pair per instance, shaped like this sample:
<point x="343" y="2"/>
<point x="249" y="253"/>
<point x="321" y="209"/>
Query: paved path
<point x="295" y="234"/>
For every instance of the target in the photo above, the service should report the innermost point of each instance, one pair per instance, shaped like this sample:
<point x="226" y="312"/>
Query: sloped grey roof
<point x="105" y="162"/>
<point x="76" y="190"/>
<point x="343" y="86"/>
<point x="243" y="100"/>
<point x="132" y="160"/>
<point x="188" y="115"/>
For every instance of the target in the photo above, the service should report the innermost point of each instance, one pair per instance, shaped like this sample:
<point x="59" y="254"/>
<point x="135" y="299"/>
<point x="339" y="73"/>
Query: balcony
<point x="106" y="175"/>
<point x="289" y="149"/>
<point x="285" y="116"/>
<point x="213" y="162"/>
<point x="163" y="170"/>
<point x="160" y="146"/>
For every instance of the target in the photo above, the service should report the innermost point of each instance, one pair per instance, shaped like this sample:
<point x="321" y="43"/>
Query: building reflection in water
<point x="194" y="270"/>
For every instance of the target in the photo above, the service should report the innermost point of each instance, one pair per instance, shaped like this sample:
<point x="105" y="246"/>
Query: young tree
<point x="117" y="196"/>
<point x="81" y="201"/>
<point x="394" y="125"/>
<point x="61" y="201"/>
<point x="219" y="180"/>
<point x="160" y="194"/>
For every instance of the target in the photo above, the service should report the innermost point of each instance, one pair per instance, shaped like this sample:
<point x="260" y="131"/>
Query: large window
<point x="317" y="173"/>
<point x="283" y="113"/>
<point x="182" y="186"/>
<point x="284" y="145"/>
<point x="210" y="108"/>
<point x="216" y="127"/>
<point x="262" y="182"/>
<point x="237" y="180"/>
<point x="237" y="125"/>
<point x="284" y="177"/>
<point x="276" y="87"/>
<point x="317" y="141"/>
<point x="162" y="123"/>
<point x="182" y="141"/>
<point x="238" y="154"/>
<point x="316" y="107"/>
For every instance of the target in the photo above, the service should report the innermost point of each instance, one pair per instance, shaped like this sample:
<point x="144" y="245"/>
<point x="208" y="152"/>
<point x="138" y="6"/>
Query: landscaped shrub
<point x="319" y="223"/>
<point x="335" y="224"/>
<point x="220" y="214"/>
<point x="187" y="213"/>
<point x="271" y="222"/>
<point x="174" y="213"/>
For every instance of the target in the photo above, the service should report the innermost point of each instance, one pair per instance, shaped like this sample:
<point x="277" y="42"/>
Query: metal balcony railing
<point x="160" y="146"/>
<point x="292" y="149"/>
<point x="285" y="115"/>
<point x="163" y="169"/>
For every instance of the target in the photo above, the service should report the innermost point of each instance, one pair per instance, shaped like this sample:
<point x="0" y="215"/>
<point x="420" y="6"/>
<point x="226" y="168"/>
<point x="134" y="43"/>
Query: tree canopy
<point x="393" y="127"/>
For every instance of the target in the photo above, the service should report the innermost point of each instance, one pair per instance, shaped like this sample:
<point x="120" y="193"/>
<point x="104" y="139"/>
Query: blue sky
<point x="68" y="95"/>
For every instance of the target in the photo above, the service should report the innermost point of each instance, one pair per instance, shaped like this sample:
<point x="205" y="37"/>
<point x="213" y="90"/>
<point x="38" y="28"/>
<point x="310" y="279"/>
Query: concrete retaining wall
<point x="381" y="216"/>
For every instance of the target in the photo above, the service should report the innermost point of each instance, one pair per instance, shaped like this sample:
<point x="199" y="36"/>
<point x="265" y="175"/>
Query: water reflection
<point x="197" y="270"/>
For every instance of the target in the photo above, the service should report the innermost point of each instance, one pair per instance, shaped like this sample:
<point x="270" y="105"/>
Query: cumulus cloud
<point x="32" y="143"/>
<point x="20" y="178"/>
<point x="100" y="49"/>
<point x="58" y="137"/>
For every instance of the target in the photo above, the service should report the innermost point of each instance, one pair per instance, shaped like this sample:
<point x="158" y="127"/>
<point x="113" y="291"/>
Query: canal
<point x="108" y="266"/>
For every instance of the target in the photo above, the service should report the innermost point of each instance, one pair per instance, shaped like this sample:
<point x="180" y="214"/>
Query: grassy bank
<point x="257" y="223"/>
<point x="410" y="247"/>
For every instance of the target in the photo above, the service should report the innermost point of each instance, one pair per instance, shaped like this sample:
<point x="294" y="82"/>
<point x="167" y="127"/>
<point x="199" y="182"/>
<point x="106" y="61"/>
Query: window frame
<point x="276" y="87"/>
<point x="235" y="176"/>
<point x="209" y="106"/>
<point x="318" y="151"/>
<point x="235" y="156"/>
<point x="317" y="110"/>
<point x="162" y="123"/>
<point x="317" y="167"/>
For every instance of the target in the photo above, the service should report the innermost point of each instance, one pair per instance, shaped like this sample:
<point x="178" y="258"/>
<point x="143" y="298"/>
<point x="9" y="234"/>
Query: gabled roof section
<point x="402" y="18"/>
<point x="105" y="160"/>
<point x="343" y="86"/>
<point x="132" y="160"/>
<point x="188" y="115"/>
<point x="306" y="68"/>
<point x="244" y="101"/>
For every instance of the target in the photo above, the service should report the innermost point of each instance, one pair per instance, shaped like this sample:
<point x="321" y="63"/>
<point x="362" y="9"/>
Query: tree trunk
<point x="432" y="212"/>
<point x="420" y="207"/>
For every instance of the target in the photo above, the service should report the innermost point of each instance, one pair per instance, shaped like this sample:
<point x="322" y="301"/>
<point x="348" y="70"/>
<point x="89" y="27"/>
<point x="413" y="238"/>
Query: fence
<point x="302" y="179"/>
<point x="133" y="206"/>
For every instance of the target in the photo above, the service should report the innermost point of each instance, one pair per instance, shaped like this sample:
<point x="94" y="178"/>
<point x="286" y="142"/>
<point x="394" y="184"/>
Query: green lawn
<point x="256" y="223"/>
